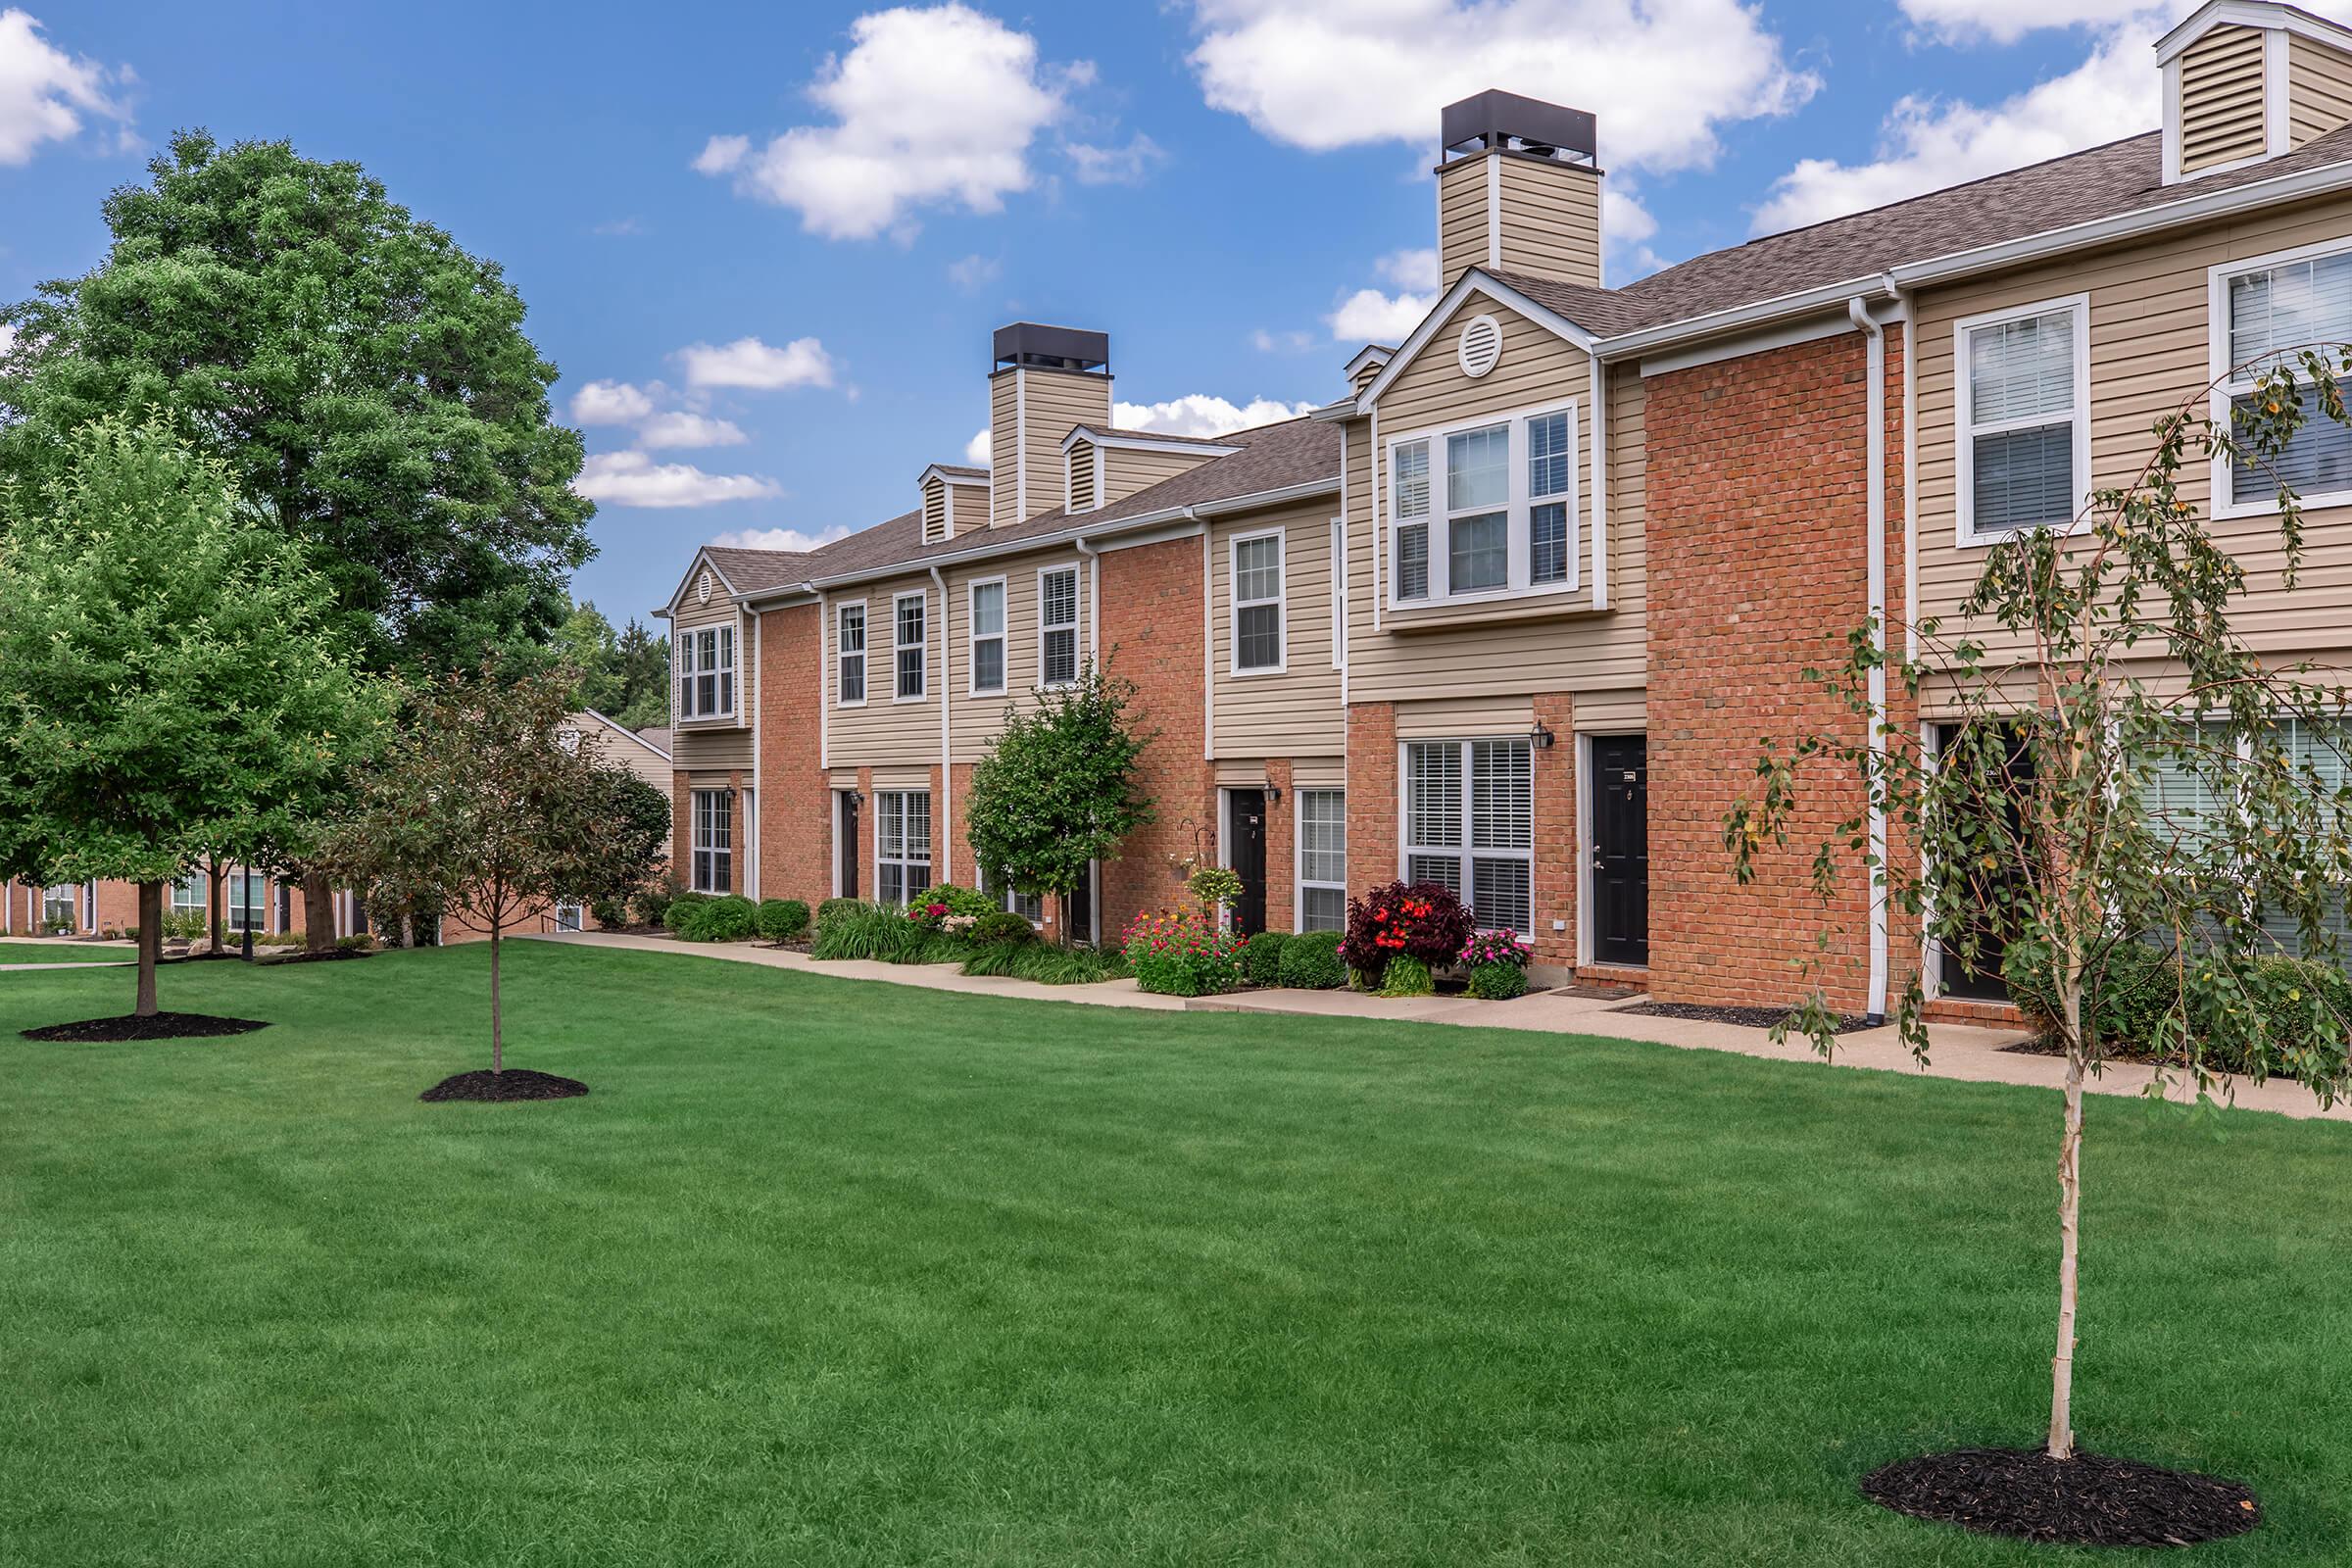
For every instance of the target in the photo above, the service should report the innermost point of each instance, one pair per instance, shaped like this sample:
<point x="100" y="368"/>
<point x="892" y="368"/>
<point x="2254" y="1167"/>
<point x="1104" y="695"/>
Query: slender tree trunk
<point x="318" y="912"/>
<point x="151" y="943"/>
<point x="497" y="1053"/>
<point x="212" y="881"/>
<point x="2070" y="1210"/>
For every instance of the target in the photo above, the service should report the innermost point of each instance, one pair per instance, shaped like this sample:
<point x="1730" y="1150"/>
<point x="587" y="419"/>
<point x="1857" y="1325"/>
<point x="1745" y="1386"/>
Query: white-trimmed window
<point x="2264" y="315"/>
<point x="988" y="637"/>
<point x="57" y="907"/>
<point x="901" y="843"/>
<point x="1030" y="907"/>
<point x="714" y="841"/>
<point x="2023" y="422"/>
<point x="1258" y="629"/>
<point x="1485" y="510"/>
<point x="1058" y="626"/>
<point x="706" y="673"/>
<point x="187" y="894"/>
<point x="910" y="647"/>
<point x="850" y="655"/>
<point x="1322" y="860"/>
<point x="1469" y="823"/>
<point x="248" y="896"/>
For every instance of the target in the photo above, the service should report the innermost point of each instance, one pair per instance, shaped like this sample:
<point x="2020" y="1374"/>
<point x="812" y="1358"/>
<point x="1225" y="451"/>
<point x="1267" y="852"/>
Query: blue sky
<point x="776" y="237"/>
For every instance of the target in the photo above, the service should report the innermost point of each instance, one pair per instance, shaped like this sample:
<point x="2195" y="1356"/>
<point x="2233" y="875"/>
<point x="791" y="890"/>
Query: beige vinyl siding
<point x="1462" y="217"/>
<point x="1318" y="772"/>
<point x="1553" y="643"/>
<point x="935" y="511"/>
<point x="975" y="723"/>
<point x="703" y="749"/>
<point x="1298" y="710"/>
<point x="885" y="731"/>
<point x="2148" y="353"/>
<point x="1465" y="717"/>
<point x="1004" y="458"/>
<point x="1551" y="220"/>
<point x="1125" y="471"/>
<point x="617" y="748"/>
<point x="967" y="505"/>
<point x="1081" y="460"/>
<point x="2318" y="89"/>
<point x="2222" y="118"/>
<point x="1053" y="402"/>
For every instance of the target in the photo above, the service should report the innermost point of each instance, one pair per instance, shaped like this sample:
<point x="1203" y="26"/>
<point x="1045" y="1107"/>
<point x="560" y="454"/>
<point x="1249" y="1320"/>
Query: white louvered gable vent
<point x="1480" y="346"/>
<point x="702" y="589"/>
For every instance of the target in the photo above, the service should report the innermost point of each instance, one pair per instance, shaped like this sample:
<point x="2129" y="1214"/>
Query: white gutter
<point x="1094" y="598"/>
<point x="1874" y="447"/>
<point x="947" y="744"/>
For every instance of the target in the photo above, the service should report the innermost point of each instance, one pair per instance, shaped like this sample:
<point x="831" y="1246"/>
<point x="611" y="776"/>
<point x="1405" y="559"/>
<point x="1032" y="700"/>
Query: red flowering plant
<point x="1420" y="920"/>
<point x="1178" y="954"/>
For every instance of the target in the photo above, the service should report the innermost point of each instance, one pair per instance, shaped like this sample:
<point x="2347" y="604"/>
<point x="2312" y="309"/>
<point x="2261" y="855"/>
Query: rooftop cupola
<point x="1519" y="189"/>
<point x="2245" y="80"/>
<point x="1046" y="381"/>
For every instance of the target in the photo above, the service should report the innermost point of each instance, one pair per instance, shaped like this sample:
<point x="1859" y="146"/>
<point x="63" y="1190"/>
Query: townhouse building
<point x="1514" y="609"/>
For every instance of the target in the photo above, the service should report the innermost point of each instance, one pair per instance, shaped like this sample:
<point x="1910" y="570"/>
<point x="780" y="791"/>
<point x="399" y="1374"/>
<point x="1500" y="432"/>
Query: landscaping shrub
<point x="675" y="911"/>
<point x="653" y="901"/>
<point x="1496" y="947"/>
<point x="2134" y="986"/>
<point x="362" y="943"/>
<point x="1421" y="920"/>
<point x="727" y="919"/>
<point x="1312" y="962"/>
<point x="839" y="908"/>
<point x="1406" y="976"/>
<point x="1046" y="963"/>
<point x="849" y="928"/>
<point x="1498" y="981"/>
<point x="1001" y="928"/>
<point x="610" y="913"/>
<point x="945" y="901"/>
<point x="1261" y="957"/>
<point x="1177" y="955"/>
<point x="781" y="920"/>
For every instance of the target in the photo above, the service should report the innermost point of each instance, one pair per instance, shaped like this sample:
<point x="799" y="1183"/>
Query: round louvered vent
<point x="702" y="589"/>
<point x="1481" y="345"/>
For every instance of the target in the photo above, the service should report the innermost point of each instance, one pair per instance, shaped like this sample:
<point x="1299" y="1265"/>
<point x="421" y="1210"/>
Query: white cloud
<point x="722" y="155"/>
<point x="1115" y="166"/>
<point x="1662" y="76"/>
<point x="633" y="479"/>
<point x="679" y="429"/>
<point x="2007" y="21"/>
<point x="1368" y="316"/>
<point x="977" y="450"/>
<point x="1197" y="413"/>
<point x="778" y="539"/>
<point x="1411" y="270"/>
<point x="1288" y="342"/>
<point x="1626" y="230"/>
<point x="610" y="403"/>
<point x="45" y="92"/>
<point x="748" y="363"/>
<point x="974" y="272"/>
<point x="1929" y="143"/>
<point x="933" y="106"/>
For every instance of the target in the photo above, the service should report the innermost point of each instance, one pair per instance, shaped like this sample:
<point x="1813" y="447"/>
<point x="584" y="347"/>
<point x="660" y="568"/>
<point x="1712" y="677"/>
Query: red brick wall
<point x="1757" y="511"/>
<point x="1555" y="787"/>
<point x="1281" y="860"/>
<point x="1150" y="608"/>
<point x="1372" y="825"/>
<point x="794" y="800"/>
<point x="681" y="829"/>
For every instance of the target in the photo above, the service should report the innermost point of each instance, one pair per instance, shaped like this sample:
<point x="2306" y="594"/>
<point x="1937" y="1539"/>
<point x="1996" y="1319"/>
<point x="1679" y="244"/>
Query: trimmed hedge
<point x="729" y="917"/>
<point x="781" y="920"/>
<point x="1261" y="957"/>
<point x="1312" y="962"/>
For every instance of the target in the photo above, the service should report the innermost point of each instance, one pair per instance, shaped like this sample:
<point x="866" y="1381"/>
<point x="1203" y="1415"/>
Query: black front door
<point x="849" y="843"/>
<point x="1621" y="849"/>
<point x="2010" y="776"/>
<point x="1081" y="915"/>
<point x="1245" y="822"/>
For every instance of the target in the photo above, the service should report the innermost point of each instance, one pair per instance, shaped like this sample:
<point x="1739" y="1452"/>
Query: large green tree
<point x="363" y="379"/>
<point x="172" y="677"/>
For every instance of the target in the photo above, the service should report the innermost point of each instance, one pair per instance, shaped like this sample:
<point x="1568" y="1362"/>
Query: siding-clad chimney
<point x="1519" y="189"/>
<point x="1047" y="381"/>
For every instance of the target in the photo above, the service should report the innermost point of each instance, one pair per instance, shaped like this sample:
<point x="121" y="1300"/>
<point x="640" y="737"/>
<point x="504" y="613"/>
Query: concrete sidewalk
<point x="1959" y="1051"/>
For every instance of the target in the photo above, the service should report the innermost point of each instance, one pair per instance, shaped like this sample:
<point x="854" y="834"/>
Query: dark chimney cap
<point x="1495" y="118"/>
<point x="1053" y="348"/>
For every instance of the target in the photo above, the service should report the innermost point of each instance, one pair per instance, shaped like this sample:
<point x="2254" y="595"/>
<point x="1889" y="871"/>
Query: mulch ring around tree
<point x="2089" y="1500"/>
<point x="156" y="1026"/>
<point x="515" y="1083"/>
<point x="302" y="956"/>
<point x="1745" y="1018"/>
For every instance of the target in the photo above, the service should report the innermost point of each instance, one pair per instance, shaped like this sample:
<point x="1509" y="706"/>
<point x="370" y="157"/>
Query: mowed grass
<point x="825" y="1273"/>
<point x="66" y="953"/>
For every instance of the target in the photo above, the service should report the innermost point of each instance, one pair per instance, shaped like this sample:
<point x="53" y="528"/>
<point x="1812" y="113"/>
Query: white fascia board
<point x="701" y="558"/>
<point x="1145" y="443"/>
<point x="976" y="481"/>
<point x="1370" y="353"/>
<point x="1474" y="282"/>
<point x="2249" y="14"/>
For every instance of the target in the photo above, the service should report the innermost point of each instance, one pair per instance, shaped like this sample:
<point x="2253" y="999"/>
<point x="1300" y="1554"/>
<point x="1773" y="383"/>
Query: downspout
<point x="758" y="672"/>
<point x="1209" y="644"/>
<point x="947" y="746"/>
<point x="1910" y="319"/>
<point x="1094" y="597"/>
<point x="1874" y="554"/>
<point x="824" y="704"/>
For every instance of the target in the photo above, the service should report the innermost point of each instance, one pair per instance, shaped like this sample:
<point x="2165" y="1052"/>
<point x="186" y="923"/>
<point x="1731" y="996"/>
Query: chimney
<point x="1518" y="189"/>
<point x="1047" y="381"/>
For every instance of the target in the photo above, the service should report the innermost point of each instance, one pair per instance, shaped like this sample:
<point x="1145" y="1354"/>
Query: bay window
<point x="706" y="673"/>
<point x="1500" y="517"/>
<point x="1058" y="626"/>
<point x="2023" y="422"/>
<point x="910" y="646"/>
<point x="1469" y="824"/>
<point x="1322" y="860"/>
<point x="988" y="637"/>
<point x="714" y="841"/>
<point x="850" y="655"/>
<point x="901" y="843"/>
<point x="2263" y="316"/>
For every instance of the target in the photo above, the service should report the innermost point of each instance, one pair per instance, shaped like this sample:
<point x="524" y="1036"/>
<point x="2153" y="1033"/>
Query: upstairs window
<point x="706" y="673"/>
<point x="1257" y="645"/>
<point x="1497" y="518"/>
<point x="2024" y="458"/>
<point x="2267" y="314"/>
<point x="850" y="654"/>
<point x="910" y="650"/>
<point x="988" y="637"/>
<point x="1058" y="626"/>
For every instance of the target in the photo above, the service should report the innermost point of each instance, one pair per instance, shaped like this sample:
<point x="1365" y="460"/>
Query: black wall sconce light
<point x="1541" y="737"/>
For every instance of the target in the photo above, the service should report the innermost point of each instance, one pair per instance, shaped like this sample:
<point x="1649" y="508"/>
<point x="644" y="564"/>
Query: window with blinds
<point x="910" y="650"/>
<point x="2024" y="455"/>
<point x="850" y="648"/>
<point x="1258" y="604"/>
<point x="1322" y="860"/>
<point x="988" y="637"/>
<point x="901" y="843"/>
<point x="2274" y="312"/>
<point x="714" y="841"/>
<point x="1058" y="626"/>
<point x="2326" y="750"/>
<point x="1470" y="825"/>
<point x="706" y="662"/>
<point x="1485" y="510"/>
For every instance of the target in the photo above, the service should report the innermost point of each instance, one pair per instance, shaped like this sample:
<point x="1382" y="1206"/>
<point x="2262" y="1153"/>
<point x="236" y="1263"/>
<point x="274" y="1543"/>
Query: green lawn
<point x="824" y="1272"/>
<point x="65" y="953"/>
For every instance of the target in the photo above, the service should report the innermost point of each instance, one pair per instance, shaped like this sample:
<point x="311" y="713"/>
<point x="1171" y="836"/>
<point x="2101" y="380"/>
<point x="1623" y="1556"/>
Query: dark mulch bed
<point x="159" y="1026"/>
<point x="1746" y="1017"/>
<point x="2040" y="1046"/>
<point x="2089" y="1500"/>
<point x="303" y="956"/>
<point x="515" y="1083"/>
